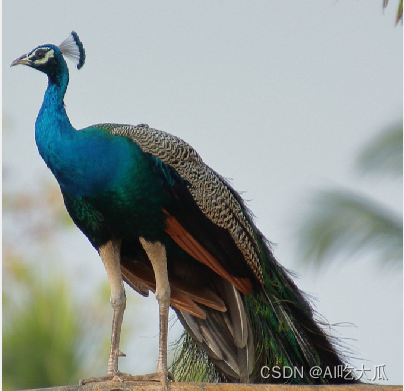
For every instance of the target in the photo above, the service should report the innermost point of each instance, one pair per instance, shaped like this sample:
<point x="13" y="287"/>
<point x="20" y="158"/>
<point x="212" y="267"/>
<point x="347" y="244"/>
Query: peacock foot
<point x="125" y="377"/>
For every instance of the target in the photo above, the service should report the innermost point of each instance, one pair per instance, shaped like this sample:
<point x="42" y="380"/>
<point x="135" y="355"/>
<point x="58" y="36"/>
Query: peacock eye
<point x="40" y="54"/>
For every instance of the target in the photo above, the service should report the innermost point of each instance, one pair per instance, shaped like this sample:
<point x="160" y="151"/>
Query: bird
<point x="163" y="221"/>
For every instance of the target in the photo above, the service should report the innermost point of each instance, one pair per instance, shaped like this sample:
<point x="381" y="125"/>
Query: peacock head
<point x="49" y="58"/>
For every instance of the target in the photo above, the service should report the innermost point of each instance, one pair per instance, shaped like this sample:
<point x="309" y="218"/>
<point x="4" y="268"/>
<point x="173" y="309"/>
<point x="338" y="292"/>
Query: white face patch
<point x="42" y="55"/>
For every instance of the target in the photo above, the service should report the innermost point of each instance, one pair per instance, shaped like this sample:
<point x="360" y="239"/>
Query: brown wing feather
<point x="184" y="296"/>
<point x="193" y="248"/>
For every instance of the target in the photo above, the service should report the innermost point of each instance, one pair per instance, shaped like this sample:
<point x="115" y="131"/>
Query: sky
<point x="278" y="96"/>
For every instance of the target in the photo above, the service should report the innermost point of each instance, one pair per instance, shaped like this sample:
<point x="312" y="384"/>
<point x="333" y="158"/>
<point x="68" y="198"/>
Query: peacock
<point x="164" y="221"/>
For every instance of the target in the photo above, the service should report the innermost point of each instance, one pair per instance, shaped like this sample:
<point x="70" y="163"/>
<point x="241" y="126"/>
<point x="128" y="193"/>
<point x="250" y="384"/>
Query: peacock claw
<point x="117" y="377"/>
<point x="125" y="377"/>
<point x="170" y="376"/>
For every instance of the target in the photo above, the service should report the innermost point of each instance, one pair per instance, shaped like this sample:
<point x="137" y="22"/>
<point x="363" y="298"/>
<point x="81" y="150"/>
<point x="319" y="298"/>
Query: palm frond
<point x="399" y="15"/>
<point x="345" y="222"/>
<point x="384" y="154"/>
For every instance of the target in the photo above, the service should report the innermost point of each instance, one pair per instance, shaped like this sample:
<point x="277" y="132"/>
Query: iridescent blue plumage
<point x="165" y="222"/>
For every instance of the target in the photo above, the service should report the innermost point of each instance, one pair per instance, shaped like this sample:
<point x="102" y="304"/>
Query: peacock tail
<point x="275" y="312"/>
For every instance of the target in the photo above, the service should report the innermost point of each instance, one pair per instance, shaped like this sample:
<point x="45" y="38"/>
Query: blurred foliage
<point x="348" y="222"/>
<point x="345" y="222"/>
<point x="35" y="216"/>
<point x="384" y="154"/>
<point x="49" y="337"/>
<point x="40" y="332"/>
<point x="399" y="16"/>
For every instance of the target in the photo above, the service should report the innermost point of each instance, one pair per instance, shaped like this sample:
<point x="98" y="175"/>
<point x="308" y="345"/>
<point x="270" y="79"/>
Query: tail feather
<point x="284" y="323"/>
<point x="272" y="327"/>
<point x="225" y="336"/>
<point x="239" y="325"/>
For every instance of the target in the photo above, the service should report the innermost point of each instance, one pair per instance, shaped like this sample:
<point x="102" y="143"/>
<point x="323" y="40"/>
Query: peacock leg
<point x="111" y="259"/>
<point x="158" y="258"/>
<point x="110" y="255"/>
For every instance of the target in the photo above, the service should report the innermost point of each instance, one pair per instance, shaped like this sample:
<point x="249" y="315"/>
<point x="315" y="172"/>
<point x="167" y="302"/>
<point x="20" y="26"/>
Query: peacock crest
<point x="73" y="49"/>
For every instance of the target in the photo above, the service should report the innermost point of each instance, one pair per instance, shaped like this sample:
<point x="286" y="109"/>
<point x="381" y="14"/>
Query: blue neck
<point x="53" y="111"/>
<point x="53" y="128"/>
<point x="84" y="162"/>
<point x="55" y="92"/>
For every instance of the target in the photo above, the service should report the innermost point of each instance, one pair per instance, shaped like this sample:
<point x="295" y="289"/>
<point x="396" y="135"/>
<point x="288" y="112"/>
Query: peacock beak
<point x="24" y="60"/>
